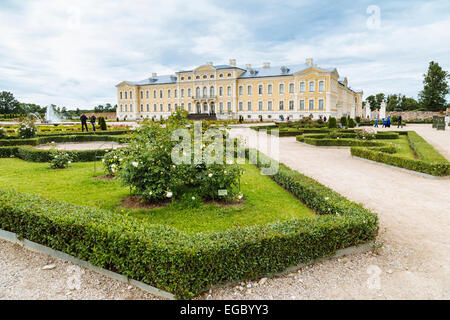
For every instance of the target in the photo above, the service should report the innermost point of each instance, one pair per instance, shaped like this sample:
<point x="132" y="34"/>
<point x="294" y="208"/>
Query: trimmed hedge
<point x="343" y="142"/>
<point x="63" y="138"/>
<point x="188" y="264"/>
<point x="432" y="168"/>
<point x="28" y="153"/>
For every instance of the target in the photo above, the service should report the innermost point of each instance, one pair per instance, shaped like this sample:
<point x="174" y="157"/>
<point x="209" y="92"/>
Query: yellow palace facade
<point x="228" y="92"/>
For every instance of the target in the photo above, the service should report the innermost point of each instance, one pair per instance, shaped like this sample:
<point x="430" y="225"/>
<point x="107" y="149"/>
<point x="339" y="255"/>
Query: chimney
<point x="233" y="62"/>
<point x="248" y="66"/>
<point x="310" y="61"/>
<point x="154" y="74"/>
<point x="266" y="64"/>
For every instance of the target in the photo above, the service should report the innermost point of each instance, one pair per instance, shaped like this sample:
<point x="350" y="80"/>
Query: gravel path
<point x="412" y="261"/>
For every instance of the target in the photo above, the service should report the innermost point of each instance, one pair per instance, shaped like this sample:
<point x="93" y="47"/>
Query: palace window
<point x="154" y="94"/>
<point x="205" y="77"/>
<point x="189" y="92"/>
<point x="312" y="86"/>
<point x="197" y="92"/>
<point x="121" y="95"/>
<point x="321" y="104"/>
<point x="176" y="93"/>
<point x="131" y="94"/>
<point x="197" y="77"/>
<point x="291" y="88"/>
<point x="281" y="105"/>
<point x="126" y="95"/>
<point x="189" y="78"/>
<point x="148" y="108"/>
<point x="291" y="105"/>
<point x="302" y="104"/>
<point x="229" y="106"/>
<point x="260" y="106"/>
<point x="221" y="75"/>
<point x="154" y="108"/>
<point x="249" y="90"/>
<point x="182" y="78"/>
<point x="147" y="94"/>
<point x="126" y="108"/>
<point x="302" y="86"/>
<point x="269" y="105"/>
<point x="160" y="94"/>
<point x="241" y="90"/>
<point x="121" y="108"/>
<point x="269" y="89"/>
<point x="169" y="107"/>
<point x="221" y="107"/>
<point x="311" y="104"/>
<point x="205" y="91"/>
<point x="229" y="75"/>
<point x="168" y="93"/>
<point x="142" y="108"/>
<point x="229" y="91"/>
<point x="161" y="107"/>
<point x="249" y="106"/>
<point x="220" y="91"/>
<point x="322" y="86"/>
<point x="131" y="108"/>
<point x="189" y="107"/>
<point x="281" y="88"/>
<point x="182" y="106"/>
<point x="241" y="107"/>
<point x="211" y="76"/>
<point x="142" y="94"/>
<point x="260" y="89"/>
<point x="182" y="93"/>
<point x="211" y="91"/>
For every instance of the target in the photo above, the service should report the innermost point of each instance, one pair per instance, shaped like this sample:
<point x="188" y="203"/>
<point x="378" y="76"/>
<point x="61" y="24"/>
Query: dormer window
<point x="229" y="75"/>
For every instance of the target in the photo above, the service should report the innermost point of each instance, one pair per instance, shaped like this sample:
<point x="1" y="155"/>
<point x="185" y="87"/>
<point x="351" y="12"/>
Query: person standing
<point x="399" y="122"/>
<point x="325" y="119"/>
<point x="83" y="119"/>
<point x="388" y="121"/>
<point x="376" y="121"/>
<point x="93" y="118"/>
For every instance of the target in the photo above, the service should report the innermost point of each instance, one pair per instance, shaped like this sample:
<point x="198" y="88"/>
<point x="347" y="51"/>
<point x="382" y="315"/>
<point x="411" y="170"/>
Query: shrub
<point x="351" y="123"/>
<point x="332" y="123"/>
<point x="102" y="123"/>
<point x="60" y="159"/>
<point x="149" y="170"/>
<point x="27" y="129"/>
<point x="358" y="120"/>
<point x="344" y="122"/>
<point x="112" y="161"/>
<point x="366" y="134"/>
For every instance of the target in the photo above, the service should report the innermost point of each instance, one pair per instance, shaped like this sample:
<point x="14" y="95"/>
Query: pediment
<point x="310" y="70"/>
<point x="205" y="68"/>
<point x="124" y="84"/>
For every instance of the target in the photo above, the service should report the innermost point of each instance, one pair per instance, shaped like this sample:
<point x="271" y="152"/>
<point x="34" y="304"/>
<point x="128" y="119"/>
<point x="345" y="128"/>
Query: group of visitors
<point x="84" y="119"/>
<point x="387" y="122"/>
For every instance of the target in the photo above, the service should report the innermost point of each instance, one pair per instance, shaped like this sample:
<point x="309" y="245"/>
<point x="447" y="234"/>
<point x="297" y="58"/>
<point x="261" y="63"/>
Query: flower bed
<point x="187" y="264"/>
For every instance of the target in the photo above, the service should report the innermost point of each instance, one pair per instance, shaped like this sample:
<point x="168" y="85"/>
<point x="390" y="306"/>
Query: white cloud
<point x="73" y="53"/>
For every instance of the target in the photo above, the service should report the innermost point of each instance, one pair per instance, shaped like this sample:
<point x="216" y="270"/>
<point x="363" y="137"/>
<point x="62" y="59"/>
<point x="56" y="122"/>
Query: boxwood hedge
<point x="188" y="264"/>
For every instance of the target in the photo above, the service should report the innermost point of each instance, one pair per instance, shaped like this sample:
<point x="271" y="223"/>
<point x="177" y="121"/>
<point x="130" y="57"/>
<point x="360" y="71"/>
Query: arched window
<point x="322" y="86"/>
<point x="126" y="95"/>
<point x="120" y="95"/>
<point x="205" y="91"/>
<point x="211" y="91"/>
<point x="197" y="92"/>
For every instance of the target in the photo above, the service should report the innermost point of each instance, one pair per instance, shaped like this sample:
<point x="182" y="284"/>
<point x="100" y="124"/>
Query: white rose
<point x="135" y="164"/>
<point x="193" y="198"/>
<point x="210" y="175"/>
<point x="169" y="194"/>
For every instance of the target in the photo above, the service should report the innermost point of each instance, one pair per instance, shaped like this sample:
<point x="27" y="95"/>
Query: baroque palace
<point x="227" y="92"/>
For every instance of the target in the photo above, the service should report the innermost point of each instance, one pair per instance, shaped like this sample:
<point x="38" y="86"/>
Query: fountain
<point x="51" y="116"/>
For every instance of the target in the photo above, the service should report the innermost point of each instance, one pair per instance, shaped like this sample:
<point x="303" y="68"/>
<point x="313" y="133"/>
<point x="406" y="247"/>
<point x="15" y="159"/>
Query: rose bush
<point x="148" y="168"/>
<point x="27" y="129"/>
<point x="60" y="159"/>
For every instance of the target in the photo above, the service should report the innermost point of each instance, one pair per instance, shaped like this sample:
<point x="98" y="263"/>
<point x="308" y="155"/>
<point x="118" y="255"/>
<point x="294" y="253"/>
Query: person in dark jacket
<point x="93" y="118"/>
<point x="83" y="119"/>
<point x="399" y="120"/>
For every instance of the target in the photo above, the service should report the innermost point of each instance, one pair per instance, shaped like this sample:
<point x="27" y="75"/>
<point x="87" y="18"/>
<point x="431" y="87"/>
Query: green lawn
<point x="265" y="200"/>
<point x="402" y="145"/>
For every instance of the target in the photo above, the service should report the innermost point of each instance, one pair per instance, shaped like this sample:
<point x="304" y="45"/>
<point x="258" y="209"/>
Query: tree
<point x="375" y="101"/>
<point x="435" y="88"/>
<point x="8" y="104"/>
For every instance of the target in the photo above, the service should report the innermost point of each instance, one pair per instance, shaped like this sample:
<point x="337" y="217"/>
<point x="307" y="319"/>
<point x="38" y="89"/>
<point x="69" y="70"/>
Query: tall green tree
<point x="435" y="88"/>
<point x="8" y="104"/>
<point x="375" y="101"/>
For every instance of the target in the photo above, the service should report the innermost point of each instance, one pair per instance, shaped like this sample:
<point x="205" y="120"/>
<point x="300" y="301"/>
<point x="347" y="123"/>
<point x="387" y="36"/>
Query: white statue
<point x="383" y="110"/>
<point x="367" y="111"/>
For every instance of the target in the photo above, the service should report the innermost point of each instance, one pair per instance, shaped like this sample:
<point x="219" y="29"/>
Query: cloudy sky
<point x="73" y="53"/>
